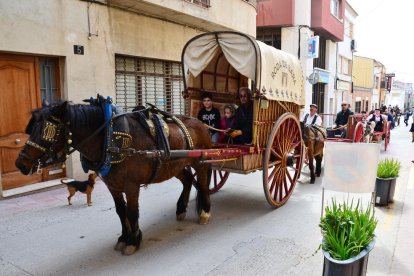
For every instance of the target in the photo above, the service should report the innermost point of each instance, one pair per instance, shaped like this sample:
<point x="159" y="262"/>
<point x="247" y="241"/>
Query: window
<point x="366" y="105"/>
<point x="349" y="29"/>
<point x="344" y="66"/>
<point x="271" y="37"/>
<point x="49" y="79"/>
<point x="140" y="80"/>
<point x="335" y="8"/>
<point x="203" y="3"/>
<point x="358" y="107"/>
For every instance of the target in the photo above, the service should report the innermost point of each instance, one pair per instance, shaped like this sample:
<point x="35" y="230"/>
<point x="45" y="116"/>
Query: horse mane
<point x="79" y="115"/>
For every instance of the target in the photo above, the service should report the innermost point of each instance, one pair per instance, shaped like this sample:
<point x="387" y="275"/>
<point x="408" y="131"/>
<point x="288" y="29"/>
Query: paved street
<point x="42" y="235"/>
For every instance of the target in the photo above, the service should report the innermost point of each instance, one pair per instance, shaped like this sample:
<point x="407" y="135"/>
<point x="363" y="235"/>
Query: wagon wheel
<point x="387" y="135"/>
<point x="284" y="146"/>
<point x="358" y="133"/>
<point x="217" y="178"/>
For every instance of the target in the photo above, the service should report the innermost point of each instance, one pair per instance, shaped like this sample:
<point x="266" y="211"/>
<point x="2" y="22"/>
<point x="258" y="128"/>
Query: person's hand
<point x="236" y="133"/>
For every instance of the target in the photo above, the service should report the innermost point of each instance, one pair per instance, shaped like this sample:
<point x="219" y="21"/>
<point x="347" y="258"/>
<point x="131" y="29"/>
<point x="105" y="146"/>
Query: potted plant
<point x="387" y="173"/>
<point x="348" y="237"/>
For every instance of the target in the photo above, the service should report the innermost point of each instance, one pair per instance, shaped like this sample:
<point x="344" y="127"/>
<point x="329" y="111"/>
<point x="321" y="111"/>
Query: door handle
<point x="18" y="141"/>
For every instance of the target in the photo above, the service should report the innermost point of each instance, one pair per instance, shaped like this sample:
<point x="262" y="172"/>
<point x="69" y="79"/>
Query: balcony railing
<point x="202" y="3"/>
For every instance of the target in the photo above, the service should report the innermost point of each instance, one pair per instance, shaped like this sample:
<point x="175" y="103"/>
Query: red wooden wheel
<point x="284" y="146"/>
<point x="358" y="133"/>
<point x="217" y="179"/>
<point x="387" y="135"/>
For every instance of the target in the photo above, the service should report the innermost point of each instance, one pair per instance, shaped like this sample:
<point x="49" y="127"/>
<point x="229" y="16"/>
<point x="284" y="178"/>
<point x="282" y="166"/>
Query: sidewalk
<point x="402" y="261"/>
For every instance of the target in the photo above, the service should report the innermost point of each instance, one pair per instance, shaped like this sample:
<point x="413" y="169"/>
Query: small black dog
<point x="85" y="187"/>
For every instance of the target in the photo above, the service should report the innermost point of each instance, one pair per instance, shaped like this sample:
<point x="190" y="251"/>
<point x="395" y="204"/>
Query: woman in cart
<point x="243" y="118"/>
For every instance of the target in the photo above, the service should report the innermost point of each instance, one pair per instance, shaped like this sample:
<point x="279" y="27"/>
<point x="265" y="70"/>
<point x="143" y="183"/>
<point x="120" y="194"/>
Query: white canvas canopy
<point x="277" y="75"/>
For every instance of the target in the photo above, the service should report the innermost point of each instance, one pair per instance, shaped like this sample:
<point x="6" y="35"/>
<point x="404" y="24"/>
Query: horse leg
<point x="134" y="233"/>
<point x="186" y="178"/>
<point x="318" y="159"/>
<point x="203" y="193"/>
<point x="311" y="166"/>
<point x="120" y="207"/>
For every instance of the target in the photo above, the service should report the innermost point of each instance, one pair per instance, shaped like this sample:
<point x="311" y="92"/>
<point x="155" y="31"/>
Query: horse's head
<point x="46" y="143"/>
<point x="305" y="131"/>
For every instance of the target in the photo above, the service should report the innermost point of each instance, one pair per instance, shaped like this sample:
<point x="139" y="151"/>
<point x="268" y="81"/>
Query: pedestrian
<point x="407" y="115"/>
<point x="412" y="131"/>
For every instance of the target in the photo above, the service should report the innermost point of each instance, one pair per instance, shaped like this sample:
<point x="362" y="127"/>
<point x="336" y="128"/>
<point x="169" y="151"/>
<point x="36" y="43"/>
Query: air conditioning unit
<point x="353" y="45"/>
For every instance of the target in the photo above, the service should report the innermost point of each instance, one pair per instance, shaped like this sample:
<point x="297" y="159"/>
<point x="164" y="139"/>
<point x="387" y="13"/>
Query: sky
<point x="384" y="30"/>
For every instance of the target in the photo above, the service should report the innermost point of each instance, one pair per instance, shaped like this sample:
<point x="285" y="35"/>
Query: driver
<point x="342" y="119"/>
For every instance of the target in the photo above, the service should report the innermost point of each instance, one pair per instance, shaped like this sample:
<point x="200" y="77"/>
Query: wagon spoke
<point x="290" y="177"/>
<point x="272" y="174"/>
<point x="276" y="162"/>
<point x="277" y="154"/>
<point x="283" y="179"/>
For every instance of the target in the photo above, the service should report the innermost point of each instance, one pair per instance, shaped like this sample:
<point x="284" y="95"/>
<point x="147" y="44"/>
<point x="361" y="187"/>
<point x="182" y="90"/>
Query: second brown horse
<point x="313" y="138"/>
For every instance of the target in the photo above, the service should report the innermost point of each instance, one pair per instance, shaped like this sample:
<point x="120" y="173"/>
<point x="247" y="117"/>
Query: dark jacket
<point x="244" y="122"/>
<point x="342" y="117"/>
<point x="211" y="118"/>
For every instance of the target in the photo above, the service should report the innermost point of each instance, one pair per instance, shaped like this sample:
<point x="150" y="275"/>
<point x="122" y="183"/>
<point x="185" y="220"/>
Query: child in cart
<point x="227" y="123"/>
<point x="210" y="116"/>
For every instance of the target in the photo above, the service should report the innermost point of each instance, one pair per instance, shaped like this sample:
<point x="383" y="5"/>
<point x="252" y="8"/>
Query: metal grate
<point x="49" y="89"/>
<point x="140" y="80"/>
<point x="203" y="3"/>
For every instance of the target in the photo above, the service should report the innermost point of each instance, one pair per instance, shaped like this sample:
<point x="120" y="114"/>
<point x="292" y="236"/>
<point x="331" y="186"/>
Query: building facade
<point x="73" y="49"/>
<point x="401" y="94"/>
<point x="345" y="56"/>
<point x="364" y="82"/>
<point x="289" y="24"/>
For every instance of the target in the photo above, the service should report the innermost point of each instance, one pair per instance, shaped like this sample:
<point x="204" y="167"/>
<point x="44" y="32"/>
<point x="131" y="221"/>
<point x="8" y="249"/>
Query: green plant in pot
<point x="348" y="237"/>
<point x="387" y="173"/>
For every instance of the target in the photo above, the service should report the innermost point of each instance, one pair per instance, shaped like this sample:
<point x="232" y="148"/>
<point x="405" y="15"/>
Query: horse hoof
<point x="181" y="216"/>
<point x="119" y="246"/>
<point x="129" y="250"/>
<point x="312" y="181"/>
<point x="204" y="218"/>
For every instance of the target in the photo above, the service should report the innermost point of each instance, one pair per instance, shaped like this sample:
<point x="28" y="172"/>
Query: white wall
<point x="51" y="28"/>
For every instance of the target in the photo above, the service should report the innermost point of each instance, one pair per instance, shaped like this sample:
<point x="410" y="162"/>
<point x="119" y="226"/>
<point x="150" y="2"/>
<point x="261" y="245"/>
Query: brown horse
<point x="81" y="126"/>
<point x="313" y="137"/>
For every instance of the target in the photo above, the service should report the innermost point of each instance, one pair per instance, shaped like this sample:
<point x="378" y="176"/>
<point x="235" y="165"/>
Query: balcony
<point x="275" y="13"/>
<point x="205" y="15"/>
<point x="326" y="22"/>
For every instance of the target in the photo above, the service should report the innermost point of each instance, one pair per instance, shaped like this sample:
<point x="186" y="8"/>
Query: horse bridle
<point x="51" y="132"/>
<point x="52" y="129"/>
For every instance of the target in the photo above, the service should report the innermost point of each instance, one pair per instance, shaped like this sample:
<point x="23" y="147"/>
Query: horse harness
<point x="117" y="139"/>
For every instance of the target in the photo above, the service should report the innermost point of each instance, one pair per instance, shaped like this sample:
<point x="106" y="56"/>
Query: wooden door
<point x="18" y="98"/>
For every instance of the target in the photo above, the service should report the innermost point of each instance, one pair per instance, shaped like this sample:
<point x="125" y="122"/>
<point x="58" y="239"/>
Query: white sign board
<point x="312" y="47"/>
<point x="350" y="167"/>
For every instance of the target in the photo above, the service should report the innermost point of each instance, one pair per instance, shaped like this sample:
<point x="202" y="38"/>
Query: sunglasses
<point x="344" y="104"/>
<point x="243" y="96"/>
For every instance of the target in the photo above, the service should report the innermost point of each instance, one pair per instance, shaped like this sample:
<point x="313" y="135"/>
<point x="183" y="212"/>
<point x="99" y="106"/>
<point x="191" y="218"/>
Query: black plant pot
<point x="355" y="266"/>
<point x="384" y="190"/>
